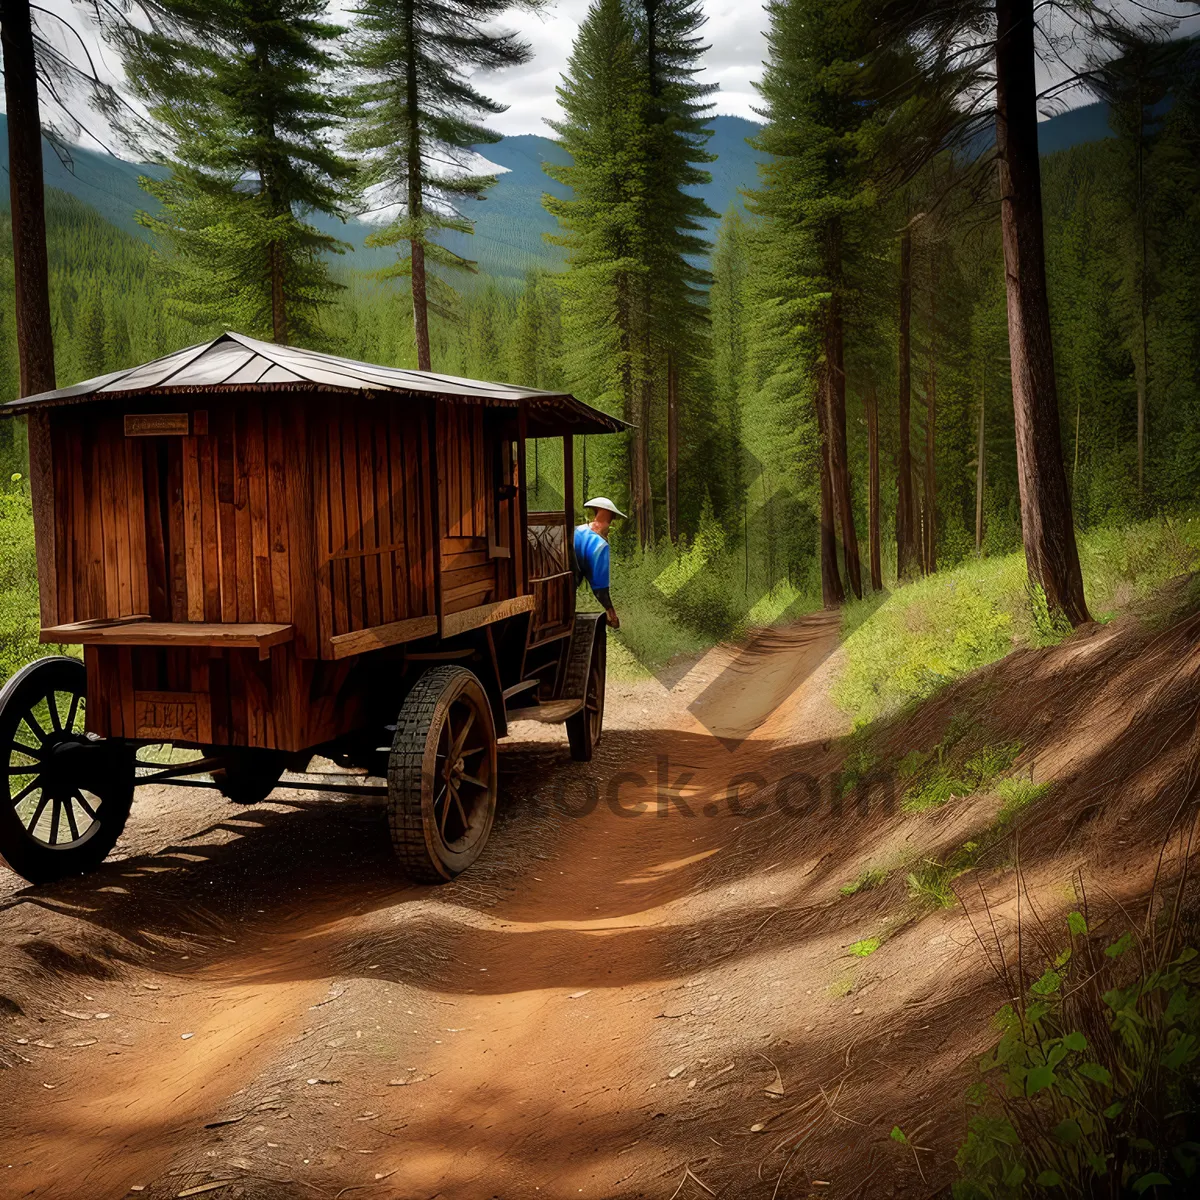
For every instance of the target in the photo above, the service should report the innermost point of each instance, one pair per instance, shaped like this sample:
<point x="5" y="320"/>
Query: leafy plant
<point x="1091" y="1090"/>
<point x="868" y="878"/>
<point x="929" y="884"/>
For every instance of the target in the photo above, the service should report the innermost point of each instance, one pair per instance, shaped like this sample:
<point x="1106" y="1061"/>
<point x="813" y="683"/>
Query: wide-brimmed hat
<point x="605" y="503"/>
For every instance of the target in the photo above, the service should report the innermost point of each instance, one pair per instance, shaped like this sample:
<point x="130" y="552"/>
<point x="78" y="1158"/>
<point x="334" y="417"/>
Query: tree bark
<point x="839" y="465"/>
<point x="1047" y="525"/>
<point x="906" y="550"/>
<point x="831" y="583"/>
<point x="672" y="450"/>
<point x="1144" y="304"/>
<point x="642" y="510"/>
<point x="874" y="548"/>
<point x="420" y="294"/>
<point x="980" y="477"/>
<point x="31" y="292"/>
<point x="930" y="510"/>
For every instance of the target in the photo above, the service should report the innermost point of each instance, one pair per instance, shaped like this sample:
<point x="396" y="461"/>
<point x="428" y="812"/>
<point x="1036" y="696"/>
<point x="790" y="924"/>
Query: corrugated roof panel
<point x="153" y="374"/>
<point x="277" y="374"/>
<point x="253" y="371"/>
<point x="214" y="366"/>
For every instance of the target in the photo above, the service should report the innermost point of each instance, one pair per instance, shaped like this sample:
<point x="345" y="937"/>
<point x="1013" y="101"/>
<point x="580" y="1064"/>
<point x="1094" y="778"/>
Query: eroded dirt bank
<point x="645" y="990"/>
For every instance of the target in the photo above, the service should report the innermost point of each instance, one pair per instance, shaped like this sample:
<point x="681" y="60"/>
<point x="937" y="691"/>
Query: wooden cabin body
<point x="255" y="567"/>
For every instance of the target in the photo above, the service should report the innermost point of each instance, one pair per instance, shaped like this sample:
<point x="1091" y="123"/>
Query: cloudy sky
<point x="734" y="31"/>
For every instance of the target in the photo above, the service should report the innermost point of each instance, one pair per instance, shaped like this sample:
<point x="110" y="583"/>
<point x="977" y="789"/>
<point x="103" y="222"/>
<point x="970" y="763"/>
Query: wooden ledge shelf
<point x="126" y="632"/>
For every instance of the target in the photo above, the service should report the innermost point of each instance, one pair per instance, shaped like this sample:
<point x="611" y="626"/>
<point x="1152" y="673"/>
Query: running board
<point x="555" y="712"/>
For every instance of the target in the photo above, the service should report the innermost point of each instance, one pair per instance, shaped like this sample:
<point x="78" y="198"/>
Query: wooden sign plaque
<point x="157" y="424"/>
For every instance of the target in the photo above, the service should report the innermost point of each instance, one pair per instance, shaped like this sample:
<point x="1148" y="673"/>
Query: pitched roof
<point x="235" y="363"/>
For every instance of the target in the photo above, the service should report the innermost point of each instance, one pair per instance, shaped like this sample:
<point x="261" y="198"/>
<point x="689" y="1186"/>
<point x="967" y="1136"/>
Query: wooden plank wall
<point x="470" y="576"/>
<point x="287" y="703"/>
<point x="371" y="480"/>
<point x="181" y="528"/>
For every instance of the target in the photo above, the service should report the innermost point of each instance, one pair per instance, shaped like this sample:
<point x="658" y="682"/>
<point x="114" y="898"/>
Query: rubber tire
<point x="415" y="839"/>
<point x="582" y="734"/>
<point x="249" y="777"/>
<point x="18" y="850"/>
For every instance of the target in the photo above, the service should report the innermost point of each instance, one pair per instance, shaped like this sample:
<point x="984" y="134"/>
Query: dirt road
<point x="251" y="1003"/>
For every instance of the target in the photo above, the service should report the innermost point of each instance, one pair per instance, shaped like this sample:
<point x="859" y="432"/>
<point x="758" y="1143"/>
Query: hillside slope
<point x="510" y="223"/>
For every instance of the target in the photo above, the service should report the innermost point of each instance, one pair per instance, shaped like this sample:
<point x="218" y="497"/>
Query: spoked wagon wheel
<point x="584" y="729"/>
<point x="442" y="775"/>
<point x="64" y="795"/>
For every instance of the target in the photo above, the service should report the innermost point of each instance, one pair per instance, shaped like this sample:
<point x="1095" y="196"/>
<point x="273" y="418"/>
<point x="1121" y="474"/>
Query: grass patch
<point x="868" y="878"/>
<point x="1016" y="795"/>
<point x="929" y="884"/>
<point x="952" y="769"/>
<point x="936" y="629"/>
<point x="866" y="947"/>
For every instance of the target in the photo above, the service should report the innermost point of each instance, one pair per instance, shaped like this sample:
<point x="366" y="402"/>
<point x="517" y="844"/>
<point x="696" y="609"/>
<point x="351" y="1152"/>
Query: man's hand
<point x="614" y="621"/>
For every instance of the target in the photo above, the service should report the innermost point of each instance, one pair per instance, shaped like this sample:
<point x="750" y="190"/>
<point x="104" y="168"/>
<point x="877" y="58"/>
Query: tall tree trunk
<point x="874" y="548"/>
<point x="1144" y="374"/>
<point x="839" y="465"/>
<point x="643" y="510"/>
<point x="831" y="582"/>
<point x="279" y="329"/>
<point x="930" y="529"/>
<point x="420" y="293"/>
<point x="980" y="476"/>
<point x="906" y="550"/>
<point x="672" y="450"/>
<point x="1047" y="527"/>
<point x="31" y="292"/>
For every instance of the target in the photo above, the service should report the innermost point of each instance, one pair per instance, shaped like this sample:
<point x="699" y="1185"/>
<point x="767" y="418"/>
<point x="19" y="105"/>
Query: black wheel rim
<point x="55" y="807"/>
<point x="462" y="783"/>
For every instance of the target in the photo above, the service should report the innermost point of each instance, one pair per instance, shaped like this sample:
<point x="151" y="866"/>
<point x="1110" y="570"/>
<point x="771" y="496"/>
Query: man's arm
<point x="600" y="585"/>
<point x="604" y="596"/>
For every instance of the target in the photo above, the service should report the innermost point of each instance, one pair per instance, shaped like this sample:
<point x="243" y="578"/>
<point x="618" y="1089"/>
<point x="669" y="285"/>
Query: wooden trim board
<point x="360" y="641"/>
<point x="172" y="633"/>
<point x="485" y="614"/>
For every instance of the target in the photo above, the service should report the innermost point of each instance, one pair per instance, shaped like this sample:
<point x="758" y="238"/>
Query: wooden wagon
<point x="269" y="553"/>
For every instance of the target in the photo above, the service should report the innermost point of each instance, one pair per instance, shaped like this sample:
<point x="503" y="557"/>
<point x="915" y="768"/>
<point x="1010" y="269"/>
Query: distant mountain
<point x="510" y="223"/>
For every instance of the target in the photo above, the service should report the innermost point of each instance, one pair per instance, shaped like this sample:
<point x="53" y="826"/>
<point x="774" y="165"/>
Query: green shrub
<point x="1092" y="1088"/>
<point x="19" y="623"/>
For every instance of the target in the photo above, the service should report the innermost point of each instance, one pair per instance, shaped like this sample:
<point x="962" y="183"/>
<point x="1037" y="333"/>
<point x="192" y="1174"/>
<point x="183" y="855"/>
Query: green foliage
<point x="866" y="947"/>
<point x="633" y="309"/>
<point x="19" y="623"/>
<point x="416" y="120"/>
<point x="243" y="104"/>
<point x="1016" y="796"/>
<point x="938" y="628"/>
<point x="1091" y="1088"/>
<point x="868" y="878"/>
<point x="930" y="885"/>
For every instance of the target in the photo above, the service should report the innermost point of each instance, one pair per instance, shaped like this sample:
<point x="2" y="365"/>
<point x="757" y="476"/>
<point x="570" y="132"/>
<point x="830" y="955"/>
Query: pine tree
<point x="669" y="34"/>
<point x="416" y="125"/>
<point x="634" y="129"/>
<point x="605" y="134"/>
<point x="814" y="192"/>
<point x="242" y="93"/>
